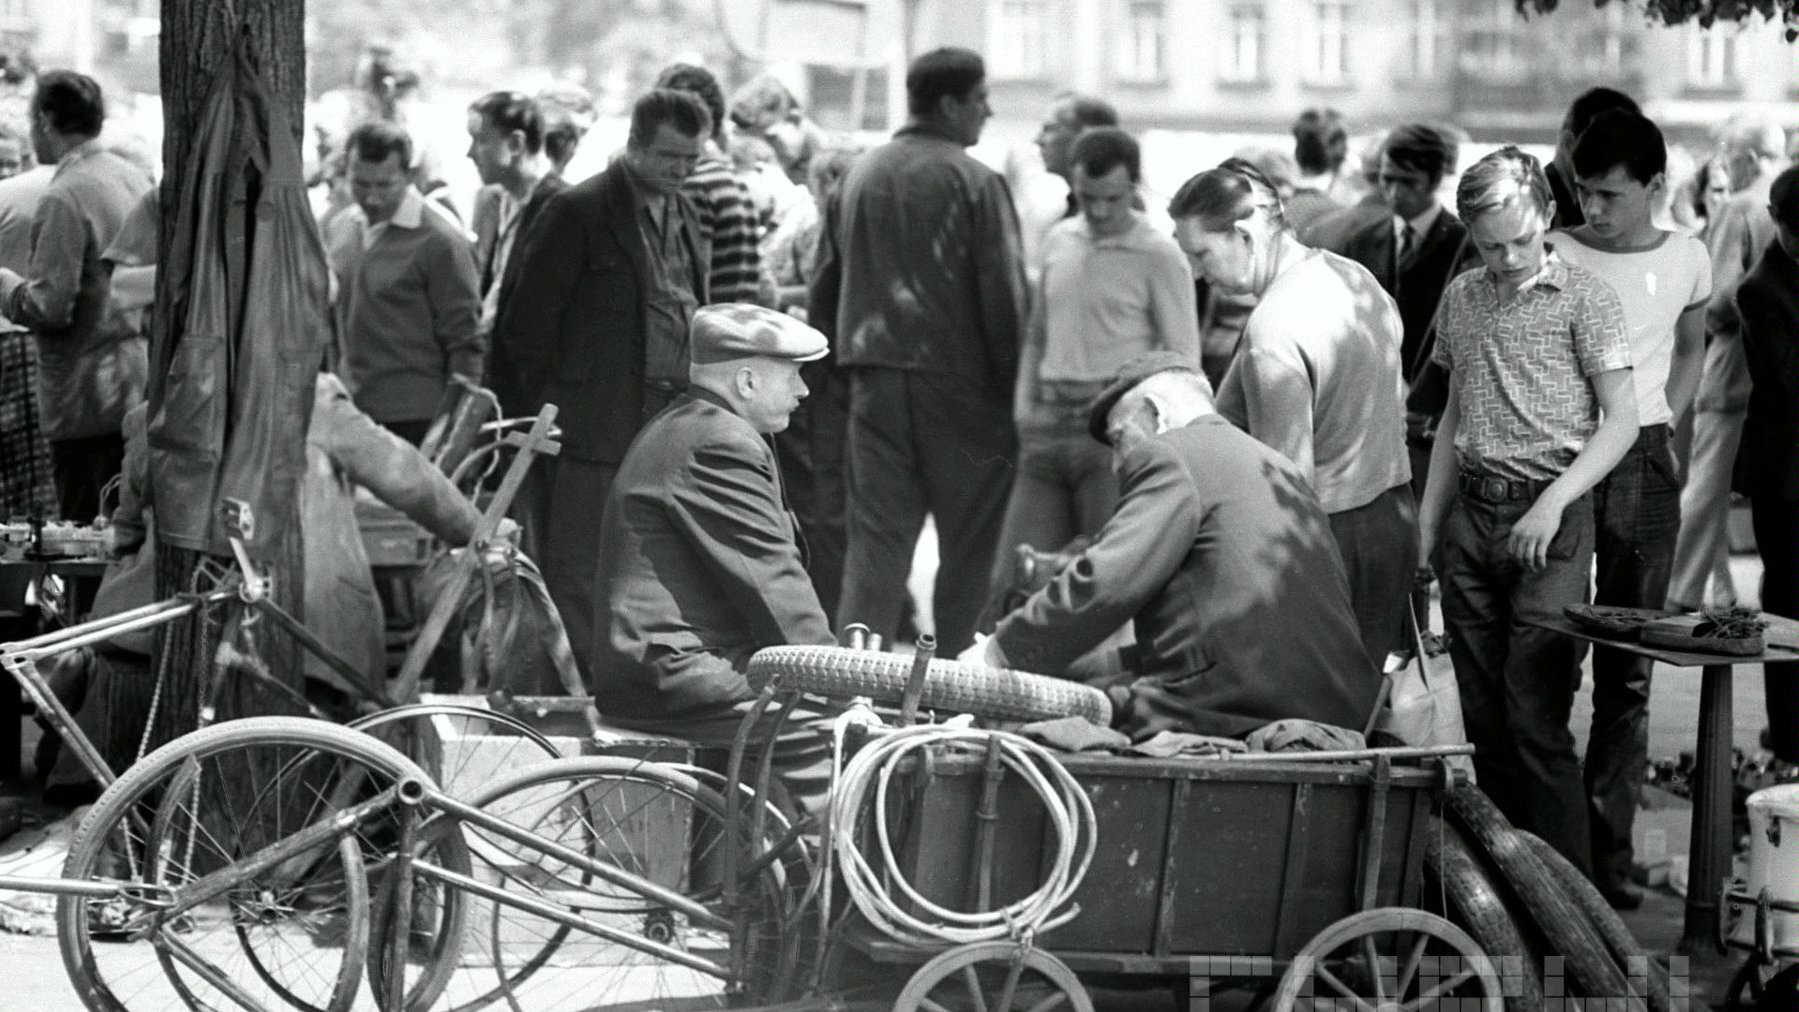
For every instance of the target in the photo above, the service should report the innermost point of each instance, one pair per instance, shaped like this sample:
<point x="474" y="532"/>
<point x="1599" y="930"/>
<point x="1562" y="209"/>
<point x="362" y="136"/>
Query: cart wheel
<point x="1390" y="959"/>
<point x="994" y="977"/>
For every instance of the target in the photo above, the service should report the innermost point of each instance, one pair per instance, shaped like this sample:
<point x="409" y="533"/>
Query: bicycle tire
<point x="115" y="811"/>
<point x="1477" y="905"/>
<point x="1561" y="922"/>
<point x="575" y="777"/>
<point x="994" y="693"/>
<point x="1625" y="949"/>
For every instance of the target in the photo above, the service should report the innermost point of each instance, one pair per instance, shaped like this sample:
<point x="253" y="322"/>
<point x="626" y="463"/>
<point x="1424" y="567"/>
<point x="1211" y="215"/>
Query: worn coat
<point x="1223" y="558"/>
<point x="502" y="374"/>
<point x="574" y="323"/>
<point x="1417" y="286"/>
<point x="700" y="566"/>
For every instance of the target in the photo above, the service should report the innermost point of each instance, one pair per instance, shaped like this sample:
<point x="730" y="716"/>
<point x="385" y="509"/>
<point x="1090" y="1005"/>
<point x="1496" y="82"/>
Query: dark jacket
<point x="1443" y="253"/>
<point x="574" y="323"/>
<point x="919" y="264"/>
<point x="1224" y="559"/>
<point x="233" y="369"/>
<point x="502" y="374"/>
<point x="699" y="566"/>
<point x="1768" y="301"/>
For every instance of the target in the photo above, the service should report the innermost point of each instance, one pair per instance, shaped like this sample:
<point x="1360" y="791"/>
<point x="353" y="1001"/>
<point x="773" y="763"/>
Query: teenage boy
<point x="1540" y="409"/>
<point x="1664" y="280"/>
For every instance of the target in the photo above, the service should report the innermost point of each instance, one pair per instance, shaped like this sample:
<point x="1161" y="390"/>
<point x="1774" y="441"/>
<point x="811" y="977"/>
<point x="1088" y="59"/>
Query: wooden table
<point x="1710" y="860"/>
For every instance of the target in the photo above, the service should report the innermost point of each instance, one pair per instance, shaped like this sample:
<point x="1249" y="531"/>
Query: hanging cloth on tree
<point x="234" y="359"/>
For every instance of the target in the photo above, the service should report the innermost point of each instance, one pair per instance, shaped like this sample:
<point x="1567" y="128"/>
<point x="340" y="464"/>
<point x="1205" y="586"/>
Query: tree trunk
<point x="198" y="37"/>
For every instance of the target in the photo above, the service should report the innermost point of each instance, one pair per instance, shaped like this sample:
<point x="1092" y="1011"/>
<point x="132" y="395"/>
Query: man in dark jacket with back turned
<point x="1222" y="558"/>
<point x="919" y="267"/>
<point x="609" y="278"/>
<point x="699" y="563"/>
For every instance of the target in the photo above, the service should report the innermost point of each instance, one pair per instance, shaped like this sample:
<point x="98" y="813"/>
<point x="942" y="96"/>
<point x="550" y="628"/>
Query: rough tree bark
<point x="198" y="37"/>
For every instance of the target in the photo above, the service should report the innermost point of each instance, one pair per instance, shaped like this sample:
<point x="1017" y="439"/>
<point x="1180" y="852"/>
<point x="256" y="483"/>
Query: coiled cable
<point x="872" y="769"/>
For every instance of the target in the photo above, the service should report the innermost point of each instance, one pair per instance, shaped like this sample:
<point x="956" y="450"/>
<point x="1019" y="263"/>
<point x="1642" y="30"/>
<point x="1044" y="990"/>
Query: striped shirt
<point x="730" y="228"/>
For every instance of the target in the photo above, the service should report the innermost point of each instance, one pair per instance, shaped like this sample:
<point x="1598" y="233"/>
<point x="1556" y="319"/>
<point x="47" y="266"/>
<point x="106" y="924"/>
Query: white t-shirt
<point x="1656" y="283"/>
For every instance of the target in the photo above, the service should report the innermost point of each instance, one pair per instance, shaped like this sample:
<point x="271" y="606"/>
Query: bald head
<point x="1755" y="147"/>
<point x="763" y="391"/>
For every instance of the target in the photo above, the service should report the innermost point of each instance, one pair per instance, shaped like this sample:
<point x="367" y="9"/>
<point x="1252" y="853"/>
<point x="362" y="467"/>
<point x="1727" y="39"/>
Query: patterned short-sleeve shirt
<point x="1522" y="369"/>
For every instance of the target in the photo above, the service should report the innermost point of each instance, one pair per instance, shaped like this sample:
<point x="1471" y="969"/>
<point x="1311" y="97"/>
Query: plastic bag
<point x="1423" y="702"/>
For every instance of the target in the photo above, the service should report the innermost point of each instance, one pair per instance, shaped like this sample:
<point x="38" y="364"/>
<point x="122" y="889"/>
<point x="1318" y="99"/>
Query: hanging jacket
<point x="234" y="360"/>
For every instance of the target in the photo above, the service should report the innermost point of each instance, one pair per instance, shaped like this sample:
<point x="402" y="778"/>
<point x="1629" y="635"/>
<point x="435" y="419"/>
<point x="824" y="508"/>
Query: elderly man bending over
<point x="699" y="566"/>
<point x="1221" y="555"/>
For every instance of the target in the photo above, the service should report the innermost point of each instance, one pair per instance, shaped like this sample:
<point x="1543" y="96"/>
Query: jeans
<point x="1702" y="552"/>
<point x="1064" y="488"/>
<point x="1378" y="542"/>
<point x="1637" y="520"/>
<point x="1517" y="680"/>
<point x="1777" y="538"/>
<point x="923" y="443"/>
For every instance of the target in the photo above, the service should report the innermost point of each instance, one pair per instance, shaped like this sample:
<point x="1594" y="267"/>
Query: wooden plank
<point x="1293" y="870"/>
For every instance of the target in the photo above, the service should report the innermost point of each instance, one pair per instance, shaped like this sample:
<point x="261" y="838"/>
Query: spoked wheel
<point x="994" y="977"/>
<point x="292" y="936"/>
<point x="1390" y="959"/>
<point x="623" y="948"/>
<point x="487" y="743"/>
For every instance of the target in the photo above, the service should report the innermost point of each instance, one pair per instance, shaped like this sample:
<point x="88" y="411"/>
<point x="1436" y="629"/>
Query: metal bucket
<point x="1773" y="870"/>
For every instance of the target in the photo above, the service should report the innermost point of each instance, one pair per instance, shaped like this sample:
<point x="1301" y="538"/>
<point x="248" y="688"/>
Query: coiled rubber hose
<point x="871" y="771"/>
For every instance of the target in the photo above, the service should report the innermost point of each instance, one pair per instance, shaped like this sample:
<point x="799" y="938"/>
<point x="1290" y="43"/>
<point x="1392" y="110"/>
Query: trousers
<point x="1702" y="551"/>
<point x="1636" y="512"/>
<point x="1777" y="538"/>
<point x="921" y="443"/>
<point x="1064" y="488"/>
<point x="1517" y="680"/>
<point x="1379" y="546"/>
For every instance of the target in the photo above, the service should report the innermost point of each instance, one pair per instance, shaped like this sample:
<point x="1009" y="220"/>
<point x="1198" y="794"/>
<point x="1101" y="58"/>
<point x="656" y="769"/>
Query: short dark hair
<point x="1223" y="196"/>
<point x="1783" y="199"/>
<point x="948" y="72"/>
<point x="1099" y="150"/>
<point x="1620" y="137"/>
<point x="379" y="139"/>
<point x="1320" y="142"/>
<point x="1089" y="110"/>
<point x="699" y="82"/>
<point x="567" y="114"/>
<point x="1702" y="181"/>
<point x="73" y="102"/>
<point x="510" y="111"/>
<point x="660" y="107"/>
<point x="1591" y="103"/>
<point x="1421" y="147"/>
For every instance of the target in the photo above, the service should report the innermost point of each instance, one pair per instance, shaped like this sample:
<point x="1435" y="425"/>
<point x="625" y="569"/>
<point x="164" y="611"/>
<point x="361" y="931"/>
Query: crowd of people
<point x="775" y="354"/>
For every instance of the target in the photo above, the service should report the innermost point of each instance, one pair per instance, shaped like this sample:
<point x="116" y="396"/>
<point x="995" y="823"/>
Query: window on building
<point x="1425" y="46"/>
<point x="1141" y="40"/>
<point x="1020" y="39"/>
<point x="1327" y="54"/>
<point x="1602" y="50"/>
<point x="1242" y="56"/>
<point x="1711" y="57"/>
<point x="1492" y="42"/>
<point x="15" y="10"/>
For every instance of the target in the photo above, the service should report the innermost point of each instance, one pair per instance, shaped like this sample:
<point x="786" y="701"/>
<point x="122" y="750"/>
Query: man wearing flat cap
<point x="699" y="563"/>
<point x="1223" y="558"/>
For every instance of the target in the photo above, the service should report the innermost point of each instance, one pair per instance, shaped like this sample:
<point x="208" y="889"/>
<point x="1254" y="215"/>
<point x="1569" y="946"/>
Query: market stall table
<point x="1709" y="864"/>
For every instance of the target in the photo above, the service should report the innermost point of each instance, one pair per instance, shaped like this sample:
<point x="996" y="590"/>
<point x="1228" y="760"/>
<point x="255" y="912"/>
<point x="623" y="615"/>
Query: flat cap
<point x="732" y="330"/>
<point x="1129" y="375"/>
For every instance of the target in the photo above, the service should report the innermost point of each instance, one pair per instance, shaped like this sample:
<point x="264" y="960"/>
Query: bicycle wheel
<point x="642" y="818"/>
<point x="291" y="936"/>
<point x="482" y="744"/>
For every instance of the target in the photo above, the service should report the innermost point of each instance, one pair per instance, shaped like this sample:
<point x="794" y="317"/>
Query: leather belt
<point x="1489" y="488"/>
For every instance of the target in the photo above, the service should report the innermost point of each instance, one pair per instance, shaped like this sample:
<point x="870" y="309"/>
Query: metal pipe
<point x="102" y="630"/>
<point x="552" y="913"/>
<point x="24" y="671"/>
<point x="663" y="895"/>
<point x="319" y="649"/>
<point x="180" y="951"/>
<point x="921" y="667"/>
<point x="402" y="913"/>
<point x="93" y="889"/>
